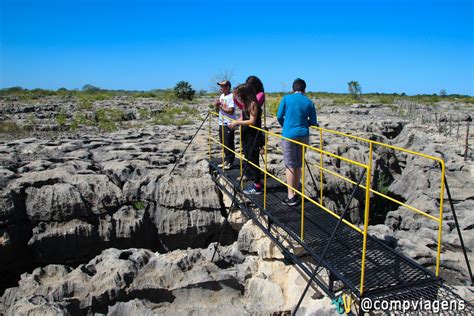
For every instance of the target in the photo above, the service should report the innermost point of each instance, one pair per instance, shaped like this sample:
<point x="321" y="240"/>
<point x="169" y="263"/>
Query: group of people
<point x="296" y="113"/>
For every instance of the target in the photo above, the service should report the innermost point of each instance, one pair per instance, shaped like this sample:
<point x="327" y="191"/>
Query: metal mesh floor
<point x="389" y="275"/>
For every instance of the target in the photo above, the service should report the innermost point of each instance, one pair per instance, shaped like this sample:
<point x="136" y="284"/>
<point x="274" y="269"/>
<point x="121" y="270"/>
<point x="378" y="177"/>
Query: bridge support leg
<point x="332" y="278"/>
<point x="269" y="224"/>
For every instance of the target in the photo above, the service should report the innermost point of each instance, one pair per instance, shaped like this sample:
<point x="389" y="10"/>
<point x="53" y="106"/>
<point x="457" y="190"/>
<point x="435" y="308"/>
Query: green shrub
<point x="469" y="100"/>
<point x="31" y="122"/>
<point x="145" y="95"/>
<point x="102" y="96"/>
<point x="180" y="121"/>
<point x="165" y="118"/>
<point x="383" y="184"/>
<point x="168" y="96"/>
<point x="343" y="100"/>
<point x="8" y="127"/>
<point x="138" y="205"/>
<point x="85" y="104"/>
<point x="176" y="116"/>
<point x="108" y="119"/>
<point x="272" y="105"/>
<point x="144" y="114"/>
<point x="80" y="119"/>
<point x="385" y="99"/>
<point x="184" y="91"/>
<point x="61" y="119"/>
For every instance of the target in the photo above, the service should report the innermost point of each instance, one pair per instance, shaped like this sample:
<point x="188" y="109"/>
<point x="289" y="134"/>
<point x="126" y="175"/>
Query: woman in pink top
<point x="257" y="85"/>
<point x="259" y="91"/>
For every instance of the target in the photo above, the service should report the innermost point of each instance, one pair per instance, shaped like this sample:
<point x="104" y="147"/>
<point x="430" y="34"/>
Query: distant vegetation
<point x="384" y="98"/>
<point x="89" y="94"/>
<point x="178" y="110"/>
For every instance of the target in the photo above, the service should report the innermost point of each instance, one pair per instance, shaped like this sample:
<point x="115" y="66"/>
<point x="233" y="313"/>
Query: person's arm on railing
<point x="281" y="112"/>
<point x="251" y="121"/>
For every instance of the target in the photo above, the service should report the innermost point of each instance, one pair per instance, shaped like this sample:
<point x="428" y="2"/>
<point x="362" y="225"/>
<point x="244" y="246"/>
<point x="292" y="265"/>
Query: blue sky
<point x="416" y="46"/>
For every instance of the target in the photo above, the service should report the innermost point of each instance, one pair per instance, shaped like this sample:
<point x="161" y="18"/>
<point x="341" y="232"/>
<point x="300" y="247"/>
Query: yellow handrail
<point x="209" y="137"/>
<point x="441" y="197"/>
<point x="223" y="141"/>
<point x="307" y="146"/>
<point x="265" y="174"/>
<point x="302" y="191"/>
<point x="440" y="222"/>
<point x="321" y="166"/>
<point x="367" y="187"/>
<point x="241" y="161"/>
<point x="289" y="186"/>
<point x="379" y="194"/>
<point x="366" y="220"/>
<point x="378" y="143"/>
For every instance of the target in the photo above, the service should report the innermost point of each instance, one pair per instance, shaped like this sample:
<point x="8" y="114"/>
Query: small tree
<point x="218" y="77"/>
<point x="14" y="89"/>
<point x="354" y="89"/>
<point x="184" y="90"/>
<point x="90" y="88"/>
<point x="442" y="93"/>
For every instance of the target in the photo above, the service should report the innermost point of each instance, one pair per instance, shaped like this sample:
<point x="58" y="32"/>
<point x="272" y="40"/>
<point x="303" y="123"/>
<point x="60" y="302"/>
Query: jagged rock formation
<point x="65" y="201"/>
<point x="138" y="281"/>
<point x="81" y="206"/>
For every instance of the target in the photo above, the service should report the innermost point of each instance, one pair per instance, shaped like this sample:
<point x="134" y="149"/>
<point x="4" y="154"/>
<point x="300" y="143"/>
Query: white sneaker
<point x="226" y="165"/>
<point x="252" y="190"/>
<point x="244" y="178"/>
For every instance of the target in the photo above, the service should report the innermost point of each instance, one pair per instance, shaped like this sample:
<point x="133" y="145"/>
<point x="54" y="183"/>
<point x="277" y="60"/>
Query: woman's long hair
<point x="256" y="83"/>
<point x="246" y="93"/>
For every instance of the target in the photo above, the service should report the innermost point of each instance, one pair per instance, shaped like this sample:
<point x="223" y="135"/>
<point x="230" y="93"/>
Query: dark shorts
<point x="292" y="153"/>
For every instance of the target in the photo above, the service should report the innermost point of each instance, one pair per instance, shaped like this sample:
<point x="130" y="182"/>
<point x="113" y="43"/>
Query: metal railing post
<point x="302" y="190"/>
<point x="265" y="174"/>
<point x="222" y="144"/>
<point x="440" y="221"/>
<point x="241" y="158"/>
<point x="321" y="166"/>
<point x="209" y="138"/>
<point x="366" y="218"/>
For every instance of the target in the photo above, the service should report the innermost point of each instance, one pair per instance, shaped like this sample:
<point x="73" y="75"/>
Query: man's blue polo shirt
<point x="295" y="114"/>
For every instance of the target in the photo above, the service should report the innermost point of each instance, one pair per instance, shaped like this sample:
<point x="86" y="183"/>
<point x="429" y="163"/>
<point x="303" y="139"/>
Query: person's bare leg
<point x="290" y="175"/>
<point x="297" y="178"/>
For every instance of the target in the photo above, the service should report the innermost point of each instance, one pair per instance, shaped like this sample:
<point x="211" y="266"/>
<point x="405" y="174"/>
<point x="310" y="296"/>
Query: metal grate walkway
<point x="388" y="274"/>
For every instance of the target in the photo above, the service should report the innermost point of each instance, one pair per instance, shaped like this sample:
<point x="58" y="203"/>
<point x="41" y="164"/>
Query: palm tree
<point x="184" y="90"/>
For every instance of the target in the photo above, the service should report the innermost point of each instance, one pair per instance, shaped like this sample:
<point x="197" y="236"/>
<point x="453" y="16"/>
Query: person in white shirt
<point x="226" y="108"/>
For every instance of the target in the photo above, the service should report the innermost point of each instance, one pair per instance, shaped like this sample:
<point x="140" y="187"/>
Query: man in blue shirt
<point x="295" y="114"/>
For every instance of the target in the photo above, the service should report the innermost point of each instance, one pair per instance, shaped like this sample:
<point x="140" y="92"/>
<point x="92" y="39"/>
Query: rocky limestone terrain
<point x="94" y="222"/>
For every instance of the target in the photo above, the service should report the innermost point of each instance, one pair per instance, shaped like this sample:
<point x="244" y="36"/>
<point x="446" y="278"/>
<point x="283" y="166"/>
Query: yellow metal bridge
<point x="362" y="266"/>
